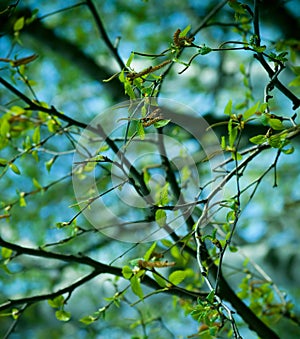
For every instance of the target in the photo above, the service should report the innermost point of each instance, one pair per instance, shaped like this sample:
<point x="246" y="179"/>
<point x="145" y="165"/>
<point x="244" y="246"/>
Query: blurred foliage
<point x="60" y="68"/>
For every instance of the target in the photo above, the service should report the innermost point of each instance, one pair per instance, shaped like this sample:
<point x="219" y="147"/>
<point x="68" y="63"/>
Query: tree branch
<point x="261" y="59"/>
<point x="98" y="268"/>
<point x="47" y="296"/>
<point x="104" y="34"/>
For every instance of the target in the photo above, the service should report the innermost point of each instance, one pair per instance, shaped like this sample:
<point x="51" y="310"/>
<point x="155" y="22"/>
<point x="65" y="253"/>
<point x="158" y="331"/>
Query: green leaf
<point x="259" y="49"/>
<point x="161" y="123"/>
<point x="6" y="252"/>
<point x="242" y="69"/>
<point x="14" y="168"/>
<point x="295" y="82"/>
<point x="233" y="132"/>
<point x="3" y="162"/>
<point x="177" y="277"/>
<point x="289" y="150"/>
<point x="127" y="272"/>
<point x="164" y="195"/>
<point x="275" y="141"/>
<point x="161" y="217"/>
<point x="258" y="139"/>
<point x="129" y="90"/>
<point x="211" y="296"/>
<point x="19" y="24"/>
<point x="122" y="77"/>
<point x="250" y="111"/>
<point x="36" y="183"/>
<point x="36" y="137"/>
<point x="184" y="32"/>
<point x="129" y="61"/>
<point x="136" y="286"/>
<point x="22" y="200"/>
<point x="148" y="254"/>
<point x="223" y="142"/>
<point x="4" y="128"/>
<point x="49" y="163"/>
<point x="57" y="302"/>
<point x="276" y="124"/>
<point x="160" y="280"/>
<point x="167" y="243"/>
<point x="140" y="130"/>
<point x="62" y="315"/>
<point x="204" y="50"/>
<point x="89" y="319"/>
<point x="236" y="156"/>
<point x="265" y="119"/>
<point x="228" y="108"/>
<point x="15" y="313"/>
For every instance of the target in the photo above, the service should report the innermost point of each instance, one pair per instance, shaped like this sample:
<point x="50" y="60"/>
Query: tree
<point x="149" y="169"/>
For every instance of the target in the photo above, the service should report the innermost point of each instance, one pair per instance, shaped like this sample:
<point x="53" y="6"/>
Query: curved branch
<point x="98" y="268"/>
<point x="104" y="34"/>
<point x="47" y="296"/>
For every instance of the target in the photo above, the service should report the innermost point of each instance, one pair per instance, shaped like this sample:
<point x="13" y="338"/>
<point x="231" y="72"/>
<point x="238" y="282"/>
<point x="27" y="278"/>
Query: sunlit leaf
<point x="136" y="286"/>
<point x="62" y="315"/>
<point x="57" y="302"/>
<point x="276" y="124"/>
<point x="258" y="139"/>
<point x="251" y="111"/>
<point x="127" y="272"/>
<point x="161" y="123"/>
<point x="185" y="31"/>
<point x="177" y="277"/>
<point x="6" y="252"/>
<point x="149" y="252"/>
<point x="19" y="24"/>
<point x="161" y="217"/>
<point x="161" y="281"/>
<point x="36" y="137"/>
<point x="228" y="108"/>
<point x="87" y="320"/>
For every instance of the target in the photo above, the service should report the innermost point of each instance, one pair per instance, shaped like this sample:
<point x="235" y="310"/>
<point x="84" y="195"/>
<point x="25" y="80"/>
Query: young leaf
<point x="161" y="217"/>
<point x="49" y="163"/>
<point x="127" y="272"/>
<point x="228" y="107"/>
<point x="129" y="61"/>
<point x="258" y="139"/>
<point x="63" y="315"/>
<point x="160" y="280"/>
<point x="89" y="319"/>
<point x="148" y="254"/>
<point x="177" y="277"/>
<point x="36" y="183"/>
<point x="36" y="137"/>
<point x="276" y="124"/>
<point x="211" y="296"/>
<point x="185" y="31"/>
<point x="161" y="123"/>
<point x="22" y="200"/>
<point x="4" y="128"/>
<point x="136" y="286"/>
<point x="3" y="162"/>
<point x="14" y="168"/>
<point x="57" y="302"/>
<point x="140" y="130"/>
<point x="204" y="50"/>
<point x="6" y="252"/>
<point x="19" y="24"/>
<point x="250" y="111"/>
<point x="288" y="150"/>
